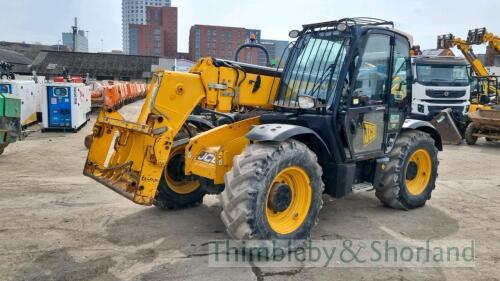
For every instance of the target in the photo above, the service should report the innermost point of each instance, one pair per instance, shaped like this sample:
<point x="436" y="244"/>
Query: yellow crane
<point x="475" y="37"/>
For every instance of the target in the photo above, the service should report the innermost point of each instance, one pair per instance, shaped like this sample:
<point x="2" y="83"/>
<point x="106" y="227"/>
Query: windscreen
<point x="313" y="67"/>
<point x="442" y="75"/>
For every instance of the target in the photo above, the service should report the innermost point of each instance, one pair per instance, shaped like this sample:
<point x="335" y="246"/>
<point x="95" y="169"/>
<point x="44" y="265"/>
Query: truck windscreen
<point x="442" y="75"/>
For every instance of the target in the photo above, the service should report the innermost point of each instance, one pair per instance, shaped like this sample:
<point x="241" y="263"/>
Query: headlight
<point x="342" y="27"/>
<point x="307" y="102"/>
<point x="294" y="34"/>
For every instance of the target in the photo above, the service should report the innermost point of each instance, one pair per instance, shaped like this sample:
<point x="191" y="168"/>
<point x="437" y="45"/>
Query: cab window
<point x="399" y="87"/>
<point x="370" y="85"/>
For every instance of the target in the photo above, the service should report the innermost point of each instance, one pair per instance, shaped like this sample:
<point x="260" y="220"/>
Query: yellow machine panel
<point x="210" y="154"/>
<point x="131" y="156"/>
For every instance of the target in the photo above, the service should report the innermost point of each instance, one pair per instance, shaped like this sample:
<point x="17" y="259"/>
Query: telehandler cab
<point x="332" y="121"/>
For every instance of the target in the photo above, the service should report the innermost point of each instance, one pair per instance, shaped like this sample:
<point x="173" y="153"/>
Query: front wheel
<point x="274" y="193"/>
<point x="410" y="176"/>
<point x="470" y="139"/>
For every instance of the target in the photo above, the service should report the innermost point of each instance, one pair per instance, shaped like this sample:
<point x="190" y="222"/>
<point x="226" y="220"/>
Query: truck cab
<point x="439" y="82"/>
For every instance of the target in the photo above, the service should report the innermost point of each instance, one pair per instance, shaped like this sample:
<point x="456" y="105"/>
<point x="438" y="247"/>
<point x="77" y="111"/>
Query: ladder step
<point x="361" y="187"/>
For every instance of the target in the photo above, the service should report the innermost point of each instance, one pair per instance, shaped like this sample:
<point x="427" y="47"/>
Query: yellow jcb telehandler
<point x="272" y="141"/>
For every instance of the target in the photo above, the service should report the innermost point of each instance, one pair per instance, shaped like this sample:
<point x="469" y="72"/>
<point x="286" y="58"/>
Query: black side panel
<point x="339" y="178"/>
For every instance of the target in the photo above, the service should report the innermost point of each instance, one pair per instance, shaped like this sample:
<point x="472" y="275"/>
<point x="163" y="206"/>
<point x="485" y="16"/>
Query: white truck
<point x="440" y="82"/>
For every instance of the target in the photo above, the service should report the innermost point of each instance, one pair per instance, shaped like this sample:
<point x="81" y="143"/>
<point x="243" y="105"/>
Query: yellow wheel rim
<point x="418" y="172"/>
<point x="290" y="219"/>
<point x="176" y="184"/>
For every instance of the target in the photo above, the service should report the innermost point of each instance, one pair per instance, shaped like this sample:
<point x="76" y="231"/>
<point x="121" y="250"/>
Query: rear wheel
<point x="176" y="190"/>
<point x="410" y="176"/>
<point x="470" y="139"/>
<point x="273" y="192"/>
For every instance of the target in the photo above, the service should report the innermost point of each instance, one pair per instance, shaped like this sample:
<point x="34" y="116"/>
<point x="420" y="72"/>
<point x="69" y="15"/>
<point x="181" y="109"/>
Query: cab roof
<point x="443" y="60"/>
<point x="362" y="22"/>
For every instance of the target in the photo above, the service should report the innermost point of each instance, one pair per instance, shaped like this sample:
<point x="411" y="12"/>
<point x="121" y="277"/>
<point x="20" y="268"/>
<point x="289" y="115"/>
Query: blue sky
<point x="43" y="21"/>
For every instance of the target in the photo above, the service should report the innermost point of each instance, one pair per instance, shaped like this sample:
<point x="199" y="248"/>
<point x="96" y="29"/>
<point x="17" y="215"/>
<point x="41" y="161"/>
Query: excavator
<point x="484" y="112"/>
<point x="272" y="141"/>
<point x="489" y="90"/>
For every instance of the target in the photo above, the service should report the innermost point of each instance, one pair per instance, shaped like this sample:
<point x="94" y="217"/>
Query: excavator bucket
<point x="445" y="41"/>
<point x="447" y="128"/>
<point x="476" y="36"/>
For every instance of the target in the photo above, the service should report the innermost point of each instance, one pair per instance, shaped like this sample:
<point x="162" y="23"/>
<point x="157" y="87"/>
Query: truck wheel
<point x="176" y="190"/>
<point x="273" y="192"/>
<point x="410" y="176"/>
<point x="469" y="138"/>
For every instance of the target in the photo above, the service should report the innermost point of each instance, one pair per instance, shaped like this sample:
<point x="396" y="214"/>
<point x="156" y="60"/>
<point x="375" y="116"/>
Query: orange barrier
<point x="113" y="94"/>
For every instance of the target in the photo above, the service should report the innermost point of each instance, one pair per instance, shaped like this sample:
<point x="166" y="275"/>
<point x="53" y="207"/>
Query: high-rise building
<point x="158" y="37"/>
<point x="221" y="42"/>
<point x="278" y="52"/>
<point x="134" y="12"/>
<point x="82" y="42"/>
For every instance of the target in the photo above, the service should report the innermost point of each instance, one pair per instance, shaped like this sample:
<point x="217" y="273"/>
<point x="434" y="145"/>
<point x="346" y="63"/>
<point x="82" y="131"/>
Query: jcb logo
<point x="206" y="157"/>
<point x="369" y="133"/>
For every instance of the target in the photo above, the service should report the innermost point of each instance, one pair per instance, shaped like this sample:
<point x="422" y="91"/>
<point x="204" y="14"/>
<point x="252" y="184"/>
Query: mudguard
<point x="282" y="132"/>
<point x="424" y="126"/>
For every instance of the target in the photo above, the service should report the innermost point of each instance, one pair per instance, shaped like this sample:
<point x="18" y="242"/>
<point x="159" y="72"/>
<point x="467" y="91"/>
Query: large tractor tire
<point x="470" y="139"/>
<point x="410" y="176"/>
<point x="273" y="192"/>
<point x="176" y="190"/>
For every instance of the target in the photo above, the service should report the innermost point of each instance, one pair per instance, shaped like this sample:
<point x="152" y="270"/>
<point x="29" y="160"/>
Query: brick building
<point x="134" y="12"/>
<point x="221" y="42"/>
<point x="158" y="37"/>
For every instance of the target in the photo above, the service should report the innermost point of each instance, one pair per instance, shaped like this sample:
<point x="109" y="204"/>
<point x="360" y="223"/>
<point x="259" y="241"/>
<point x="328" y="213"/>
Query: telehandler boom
<point x="489" y="83"/>
<point x="272" y="141"/>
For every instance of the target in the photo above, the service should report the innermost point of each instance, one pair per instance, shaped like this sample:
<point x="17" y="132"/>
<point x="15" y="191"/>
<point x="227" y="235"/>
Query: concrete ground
<point x="57" y="224"/>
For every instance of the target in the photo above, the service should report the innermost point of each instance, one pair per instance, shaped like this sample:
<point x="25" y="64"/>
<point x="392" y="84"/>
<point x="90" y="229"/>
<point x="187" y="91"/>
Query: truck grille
<point x="437" y="109"/>
<point x="445" y="94"/>
<point x="450" y="101"/>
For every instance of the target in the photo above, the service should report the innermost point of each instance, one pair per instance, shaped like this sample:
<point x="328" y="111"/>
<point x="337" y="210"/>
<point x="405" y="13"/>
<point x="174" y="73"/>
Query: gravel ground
<point x="59" y="225"/>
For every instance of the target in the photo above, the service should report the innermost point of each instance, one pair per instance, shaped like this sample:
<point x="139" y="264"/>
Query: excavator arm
<point x="130" y="156"/>
<point x="480" y="36"/>
<point x="448" y="41"/>
<point x="476" y="36"/>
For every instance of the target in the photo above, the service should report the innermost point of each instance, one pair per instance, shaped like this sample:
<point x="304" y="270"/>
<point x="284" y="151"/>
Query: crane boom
<point x="476" y="36"/>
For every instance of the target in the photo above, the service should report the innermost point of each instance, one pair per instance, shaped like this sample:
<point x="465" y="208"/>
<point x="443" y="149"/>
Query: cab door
<point x="368" y="114"/>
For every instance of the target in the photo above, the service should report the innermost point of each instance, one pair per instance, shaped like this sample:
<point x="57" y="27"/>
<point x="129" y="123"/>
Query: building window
<point x="209" y="35"/>
<point x="133" y="41"/>
<point x="197" y="35"/>
<point x="157" y="41"/>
